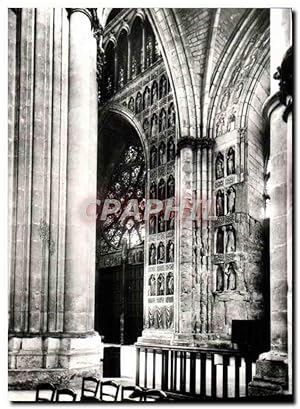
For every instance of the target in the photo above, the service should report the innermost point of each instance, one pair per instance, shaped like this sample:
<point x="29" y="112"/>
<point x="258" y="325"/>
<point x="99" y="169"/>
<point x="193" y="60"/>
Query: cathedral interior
<point x="189" y="110"/>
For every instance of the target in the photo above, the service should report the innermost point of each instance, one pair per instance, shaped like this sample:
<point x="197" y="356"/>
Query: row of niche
<point x="162" y="124"/>
<point x="230" y="164"/>
<point x="145" y="99"/>
<point x="163" y="190"/>
<point x="129" y="56"/>
<point x="160" y="316"/>
<point x="161" y="284"/>
<point x="225" y="206"/>
<point x="163" y="154"/>
<point x="226" y="278"/>
<point x="162" y="254"/>
<point x="158" y="224"/>
<point x="225" y="239"/>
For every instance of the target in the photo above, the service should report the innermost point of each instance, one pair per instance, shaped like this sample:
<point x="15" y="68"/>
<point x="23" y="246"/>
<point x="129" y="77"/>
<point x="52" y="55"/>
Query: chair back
<point x="89" y="388"/>
<point x="132" y="393"/>
<point x="155" y="395"/>
<point x="109" y="391"/>
<point x="65" y="395"/>
<point x="45" y="392"/>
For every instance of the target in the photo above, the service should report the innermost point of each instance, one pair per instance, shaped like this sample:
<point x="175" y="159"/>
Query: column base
<point x="271" y="375"/>
<point x="61" y="359"/>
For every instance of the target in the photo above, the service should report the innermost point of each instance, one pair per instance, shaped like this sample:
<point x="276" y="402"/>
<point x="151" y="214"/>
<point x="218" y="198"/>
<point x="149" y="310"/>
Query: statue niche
<point x="161" y="253"/>
<point x="153" y="157"/>
<point x="153" y="130"/>
<point x="171" y="221"/>
<point x="220" y="278"/>
<point x="161" y="223"/>
<point x="170" y="186"/>
<point x="220" y="203"/>
<point x="219" y="166"/>
<point x="162" y="120"/>
<point x="163" y="87"/>
<point x="170" y="284"/>
<point x="162" y="189"/>
<point x="138" y="103"/>
<point x="230" y="162"/>
<point x="131" y="104"/>
<point x="154" y="92"/>
<point x="146" y="98"/>
<point x="152" y="254"/>
<point x="171" y="116"/>
<point x="231" y="277"/>
<point x="171" y="150"/>
<point x="220" y="241"/>
<point x="170" y="251"/>
<point x="231" y="200"/>
<point x="161" y="284"/>
<point x="162" y="154"/>
<point x="152" y="224"/>
<point x="146" y="126"/>
<point x="152" y="286"/>
<point x="152" y="191"/>
<point x="230" y="240"/>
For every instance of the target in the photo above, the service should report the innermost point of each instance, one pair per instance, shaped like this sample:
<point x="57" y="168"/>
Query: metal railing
<point x="208" y="373"/>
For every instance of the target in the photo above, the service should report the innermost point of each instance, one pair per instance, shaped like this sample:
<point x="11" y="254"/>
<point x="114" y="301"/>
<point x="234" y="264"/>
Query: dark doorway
<point x="109" y="306"/>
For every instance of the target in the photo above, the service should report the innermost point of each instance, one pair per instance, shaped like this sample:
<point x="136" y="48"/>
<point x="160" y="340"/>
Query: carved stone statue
<point x="154" y="125"/>
<point x="220" y="203"/>
<point x="161" y="154"/>
<point x="220" y="241"/>
<point x="171" y="150"/>
<point x="231" y="120"/>
<point x="161" y="284"/>
<point x="162" y="189"/>
<point x="231" y="277"/>
<point x="147" y="99"/>
<point x="162" y="120"/>
<point x="237" y="93"/>
<point x="219" y="166"/>
<point x="152" y="225"/>
<point x="163" y="87"/>
<point x="150" y="318"/>
<point x="152" y="285"/>
<point x="161" y="253"/>
<point x="171" y="186"/>
<point x="146" y="125"/>
<point x="230" y="201"/>
<point x="138" y="103"/>
<point x="230" y="162"/>
<point x="152" y="254"/>
<point x="170" y="284"/>
<point x="220" y="125"/>
<point x="220" y="278"/>
<point x="131" y="104"/>
<point x="161" y="223"/>
<point x="171" y="116"/>
<point x="154" y="92"/>
<point x="171" y="221"/>
<point x="152" y="191"/>
<point x="153" y="158"/>
<point x="225" y="100"/>
<point x="170" y="252"/>
<point x="230" y="240"/>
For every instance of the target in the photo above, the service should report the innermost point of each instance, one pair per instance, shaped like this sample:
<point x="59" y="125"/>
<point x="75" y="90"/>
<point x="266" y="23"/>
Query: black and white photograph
<point x="150" y="212"/>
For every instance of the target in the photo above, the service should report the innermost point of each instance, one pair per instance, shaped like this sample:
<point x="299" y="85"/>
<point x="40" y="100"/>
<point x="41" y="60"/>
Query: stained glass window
<point x="127" y="182"/>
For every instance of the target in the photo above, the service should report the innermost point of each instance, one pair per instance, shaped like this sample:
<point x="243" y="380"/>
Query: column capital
<point x="185" y="142"/>
<point x="204" y="143"/>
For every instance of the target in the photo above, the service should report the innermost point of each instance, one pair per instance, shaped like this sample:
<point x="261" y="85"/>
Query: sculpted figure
<point x="220" y="278"/>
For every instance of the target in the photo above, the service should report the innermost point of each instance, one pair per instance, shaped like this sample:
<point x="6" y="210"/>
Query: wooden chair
<point x="89" y="388"/>
<point x="46" y="389"/>
<point x="134" y="394"/>
<point x="65" y="395"/>
<point x="109" y="391"/>
<point x="155" y="395"/>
